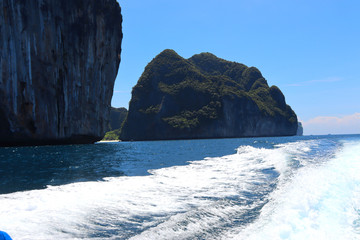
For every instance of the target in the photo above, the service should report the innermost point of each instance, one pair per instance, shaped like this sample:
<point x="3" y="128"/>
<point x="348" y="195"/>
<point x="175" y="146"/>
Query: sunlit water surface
<point x="253" y="188"/>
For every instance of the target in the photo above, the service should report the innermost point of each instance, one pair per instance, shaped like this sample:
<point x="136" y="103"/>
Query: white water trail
<point x="170" y="203"/>
<point x="321" y="202"/>
<point x="201" y="200"/>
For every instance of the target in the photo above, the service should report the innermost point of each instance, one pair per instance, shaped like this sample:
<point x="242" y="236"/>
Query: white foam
<point x="319" y="202"/>
<point x="191" y="200"/>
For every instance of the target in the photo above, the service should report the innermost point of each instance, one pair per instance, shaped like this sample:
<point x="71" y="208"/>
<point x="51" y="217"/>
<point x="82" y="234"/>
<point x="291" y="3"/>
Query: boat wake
<point x="297" y="190"/>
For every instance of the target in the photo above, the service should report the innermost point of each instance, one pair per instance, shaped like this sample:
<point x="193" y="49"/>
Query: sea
<point x="303" y="187"/>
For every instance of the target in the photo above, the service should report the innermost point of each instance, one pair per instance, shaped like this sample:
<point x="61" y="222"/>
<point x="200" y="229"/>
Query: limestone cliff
<point x="58" y="63"/>
<point x="300" y="129"/>
<point x="117" y="117"/>
<point x="205" y="97"/>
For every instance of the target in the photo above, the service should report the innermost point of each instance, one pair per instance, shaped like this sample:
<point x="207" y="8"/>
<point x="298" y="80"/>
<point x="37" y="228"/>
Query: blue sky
<point x="310" y="49"/>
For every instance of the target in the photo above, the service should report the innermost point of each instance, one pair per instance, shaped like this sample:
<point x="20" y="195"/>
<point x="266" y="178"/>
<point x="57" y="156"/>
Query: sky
<point x="310" y="49"/>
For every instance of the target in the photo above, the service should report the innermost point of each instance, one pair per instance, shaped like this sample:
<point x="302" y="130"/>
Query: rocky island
<point x="205" y="97"/>
<point x="58" y="63"/>
<point x="117" y="117"/>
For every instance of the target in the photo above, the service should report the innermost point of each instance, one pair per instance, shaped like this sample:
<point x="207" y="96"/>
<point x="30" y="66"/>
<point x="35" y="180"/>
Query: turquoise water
<point x="252" y="188"/>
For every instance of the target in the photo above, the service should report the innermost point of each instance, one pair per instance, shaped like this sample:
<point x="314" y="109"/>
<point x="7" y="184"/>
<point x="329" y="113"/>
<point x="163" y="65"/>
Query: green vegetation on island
<point x="117" y="117"/>
<point x="204" y="97"/>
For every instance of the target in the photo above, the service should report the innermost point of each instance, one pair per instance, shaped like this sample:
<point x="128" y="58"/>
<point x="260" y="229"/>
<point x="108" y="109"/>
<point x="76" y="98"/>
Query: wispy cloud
<point x="349" y="124"/>
<point x="119" y="91"/>
<point x="311" y="82"/>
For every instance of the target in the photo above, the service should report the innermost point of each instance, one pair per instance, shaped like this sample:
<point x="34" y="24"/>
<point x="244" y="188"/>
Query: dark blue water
<point x="27" y="168"/>
<point x="188" y="189"/>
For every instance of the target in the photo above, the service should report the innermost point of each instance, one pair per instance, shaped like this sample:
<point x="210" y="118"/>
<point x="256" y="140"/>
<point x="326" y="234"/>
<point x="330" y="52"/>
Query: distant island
<point x="204" y="97"/>
<point x="117" y="117"/>
<point x="300" y="129"/>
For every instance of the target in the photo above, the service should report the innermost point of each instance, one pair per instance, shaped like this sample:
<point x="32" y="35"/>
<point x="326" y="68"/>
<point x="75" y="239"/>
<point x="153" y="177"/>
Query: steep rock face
<point x="205" y="97"/>
<point x="117" y="117"/>
<point x="300" y="129"/>
<point x="58" y="63"/>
